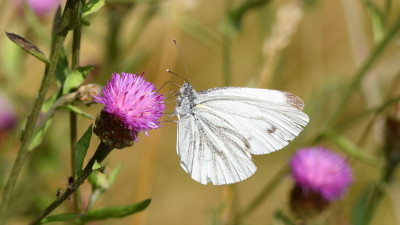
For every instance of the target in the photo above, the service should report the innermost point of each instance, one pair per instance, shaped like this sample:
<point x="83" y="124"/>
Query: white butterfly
<point x="219" y="129"/>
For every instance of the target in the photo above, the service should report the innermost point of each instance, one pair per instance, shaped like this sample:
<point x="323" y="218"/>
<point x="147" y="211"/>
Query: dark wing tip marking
<point x="294" y="101"/>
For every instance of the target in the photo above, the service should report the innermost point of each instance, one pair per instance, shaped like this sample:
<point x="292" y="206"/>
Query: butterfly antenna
<point x="169" y="71"/>
<point x="183" y="61"/>
<point x="167" y="83"/>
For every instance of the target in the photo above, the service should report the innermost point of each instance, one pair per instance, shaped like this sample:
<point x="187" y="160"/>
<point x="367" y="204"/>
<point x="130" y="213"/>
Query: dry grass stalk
<point x="287" y="21"/>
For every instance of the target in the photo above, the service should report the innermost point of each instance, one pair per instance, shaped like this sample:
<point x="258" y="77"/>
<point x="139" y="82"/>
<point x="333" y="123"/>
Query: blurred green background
<point x="310" y="48"/>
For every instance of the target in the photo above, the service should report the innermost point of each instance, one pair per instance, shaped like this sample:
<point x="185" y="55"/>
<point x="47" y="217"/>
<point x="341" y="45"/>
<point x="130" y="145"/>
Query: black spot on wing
<point x="272" y="130"/>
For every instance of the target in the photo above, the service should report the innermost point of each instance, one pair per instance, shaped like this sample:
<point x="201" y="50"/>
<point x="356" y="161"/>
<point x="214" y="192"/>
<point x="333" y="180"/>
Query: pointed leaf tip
<point x="116" y="212"/>
<point x="28" y="46"/>
<point x="91" y="7"/>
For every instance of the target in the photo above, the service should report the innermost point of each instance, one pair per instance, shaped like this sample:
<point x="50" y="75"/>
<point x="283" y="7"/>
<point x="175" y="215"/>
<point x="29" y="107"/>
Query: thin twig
<point x="101" y="153"/>
<point x="377" y="51"/>
<point x="76" y="45"/>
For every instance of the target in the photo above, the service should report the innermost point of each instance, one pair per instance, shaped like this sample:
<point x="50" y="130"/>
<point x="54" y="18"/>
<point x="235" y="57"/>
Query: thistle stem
<point x="76" y="45"/>
<point x="360" y="74"/>
<point x="101" y="153"/>
<point x="32" y="118"/>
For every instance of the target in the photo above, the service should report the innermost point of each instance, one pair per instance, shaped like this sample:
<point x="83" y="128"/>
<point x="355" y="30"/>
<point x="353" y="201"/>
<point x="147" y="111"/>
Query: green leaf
<point x="85" y="22"/>
<point x="97" y="167"/>
<point x="368" y="204"/>
<point x="49" y="103"/>
<point x="116" y="212"/>
<point x="361" y="208"/>
<point x="75" y="78"/>
<point x="92" y="6"/>
<point x="28" y="46"/>
<point x="38" y="136"/>
<point x="62" y="69"/>
<point x="40" y="132"/>
<point x="81" y="150"/>
<point x="93" y="180"/>
<point x="85" y="70"/>
<point x="60" y="217"/>
<point x="78" y="111"/>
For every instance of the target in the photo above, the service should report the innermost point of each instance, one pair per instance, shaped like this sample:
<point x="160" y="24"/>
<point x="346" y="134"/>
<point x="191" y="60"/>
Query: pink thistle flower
<point x="319" y="170"/>
<point x="133" y="102"/>
<point x="40" y="7"/>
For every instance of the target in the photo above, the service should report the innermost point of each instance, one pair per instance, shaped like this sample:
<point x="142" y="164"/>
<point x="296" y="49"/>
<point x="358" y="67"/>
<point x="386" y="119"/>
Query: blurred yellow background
<point x="310" y="48"/>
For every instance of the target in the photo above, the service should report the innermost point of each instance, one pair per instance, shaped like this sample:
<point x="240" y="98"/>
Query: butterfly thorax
<point x="187" y="96"/>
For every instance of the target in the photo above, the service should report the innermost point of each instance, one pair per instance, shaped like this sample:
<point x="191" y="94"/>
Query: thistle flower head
<point x="319" y="170"/>
<point x="130" y="102"/>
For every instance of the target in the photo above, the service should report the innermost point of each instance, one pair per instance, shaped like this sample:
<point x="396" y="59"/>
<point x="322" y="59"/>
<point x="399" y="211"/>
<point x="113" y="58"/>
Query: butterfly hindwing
<point x="218" y="154"/>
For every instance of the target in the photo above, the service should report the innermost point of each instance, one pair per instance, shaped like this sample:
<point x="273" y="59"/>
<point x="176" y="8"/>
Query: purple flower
<point x="319" y="170"/>
<point x="133" y="101"/>
<point x="42" y="7"/>
<point x="7" y="116"/>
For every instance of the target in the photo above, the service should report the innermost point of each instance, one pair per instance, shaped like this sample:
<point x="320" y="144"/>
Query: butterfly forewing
<point x="267" y="118"/>
<point x="226" y="125"/>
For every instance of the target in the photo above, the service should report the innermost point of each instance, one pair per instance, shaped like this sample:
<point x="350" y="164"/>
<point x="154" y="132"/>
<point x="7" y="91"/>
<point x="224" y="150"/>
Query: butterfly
<point x="220" y="128"/>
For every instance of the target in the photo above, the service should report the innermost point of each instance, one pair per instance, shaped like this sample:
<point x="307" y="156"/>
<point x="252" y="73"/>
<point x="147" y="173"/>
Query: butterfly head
<point x="187" y="91"/>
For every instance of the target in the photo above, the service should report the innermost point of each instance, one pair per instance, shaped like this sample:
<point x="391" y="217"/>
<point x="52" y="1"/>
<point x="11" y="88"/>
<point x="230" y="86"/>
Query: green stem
<point x="101" y="153"/>
<point x="279" y="176"/>
<point x="377" y="51"/>
<point x="371" y="112"/>
<point x="31" y="121"/>
<point x="76" y="45"/>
